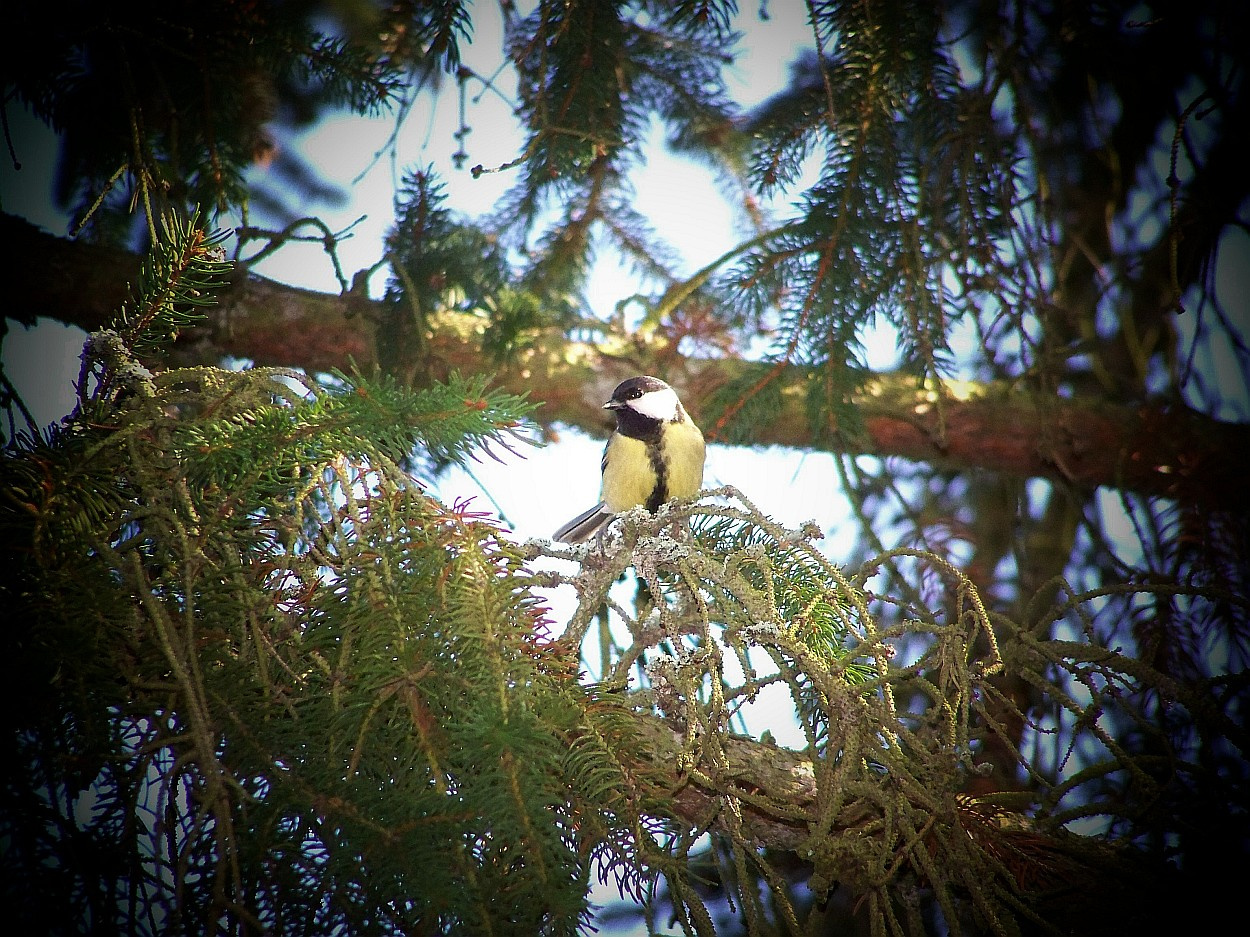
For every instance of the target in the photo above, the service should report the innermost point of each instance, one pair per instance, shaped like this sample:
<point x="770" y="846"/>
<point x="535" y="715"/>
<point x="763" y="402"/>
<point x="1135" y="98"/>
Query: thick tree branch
<point x="1153" y="449"/>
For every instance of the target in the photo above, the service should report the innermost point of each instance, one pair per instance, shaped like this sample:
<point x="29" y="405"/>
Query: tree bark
<point x="1154" y="449"/>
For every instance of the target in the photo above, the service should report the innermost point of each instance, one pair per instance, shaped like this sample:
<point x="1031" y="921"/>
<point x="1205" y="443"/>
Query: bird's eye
<point x="635" y="394"/>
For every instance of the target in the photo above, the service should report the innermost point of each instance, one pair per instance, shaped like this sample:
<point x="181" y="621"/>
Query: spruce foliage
<point x="266" y="681"/>
<point x="261" y="681"/>
<point x="170" y="104"/>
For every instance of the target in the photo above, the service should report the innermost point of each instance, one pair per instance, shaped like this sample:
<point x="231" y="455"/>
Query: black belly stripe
<point x="648" y="431"/>
<point x="659" y="494"/>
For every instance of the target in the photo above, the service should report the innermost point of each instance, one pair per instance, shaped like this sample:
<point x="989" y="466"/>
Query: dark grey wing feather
<point x="582" y="527"/>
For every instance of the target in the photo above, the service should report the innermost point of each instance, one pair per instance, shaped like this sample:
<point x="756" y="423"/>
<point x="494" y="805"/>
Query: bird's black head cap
<point x="634" y="388"/>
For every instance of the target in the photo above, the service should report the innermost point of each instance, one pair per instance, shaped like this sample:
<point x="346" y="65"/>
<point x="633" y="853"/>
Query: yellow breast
<point x="628" y="478"/>
<point x="683" y="444"/>
<point x="629" y="475"/>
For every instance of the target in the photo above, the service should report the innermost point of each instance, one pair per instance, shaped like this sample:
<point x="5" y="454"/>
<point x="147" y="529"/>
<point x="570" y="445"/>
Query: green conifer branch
<point x="184" y="269"/>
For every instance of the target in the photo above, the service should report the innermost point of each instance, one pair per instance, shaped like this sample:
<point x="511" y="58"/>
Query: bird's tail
<point x="584" y="526"/>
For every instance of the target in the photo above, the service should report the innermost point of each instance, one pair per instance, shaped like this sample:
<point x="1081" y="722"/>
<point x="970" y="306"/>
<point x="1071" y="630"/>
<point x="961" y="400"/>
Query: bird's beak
<point x="613" y="405"/>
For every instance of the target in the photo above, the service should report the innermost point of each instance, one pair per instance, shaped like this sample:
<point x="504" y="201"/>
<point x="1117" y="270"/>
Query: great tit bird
<point x="656" y="453"/>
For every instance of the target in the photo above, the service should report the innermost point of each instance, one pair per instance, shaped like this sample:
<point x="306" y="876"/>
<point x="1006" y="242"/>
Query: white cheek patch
<point x="657" y="404"/>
